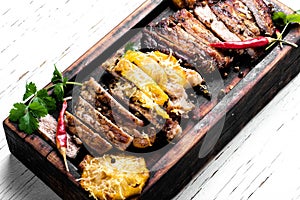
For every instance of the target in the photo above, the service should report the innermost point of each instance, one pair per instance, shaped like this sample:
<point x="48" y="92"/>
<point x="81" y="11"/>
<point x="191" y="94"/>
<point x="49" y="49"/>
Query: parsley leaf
<point x="30" y="90"/>
<point x="28" y="123"/>
<point x="43" y="98"/>
<point x="282" y="19"/>
<point x="38" y="110"/>
<point x="59" y="91"/>
<point x="57" y="76"/>
<point x="18" y="110"/>
<point x="40" y="104"/>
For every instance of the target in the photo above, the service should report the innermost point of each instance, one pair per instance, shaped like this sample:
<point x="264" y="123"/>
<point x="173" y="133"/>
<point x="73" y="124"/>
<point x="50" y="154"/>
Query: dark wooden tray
<point x="218" y="121"/>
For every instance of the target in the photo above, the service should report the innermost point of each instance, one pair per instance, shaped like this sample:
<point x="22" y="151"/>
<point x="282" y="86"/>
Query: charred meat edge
<point x="242" y="11"/>
<point x="262" y="15"/>
<point x="190" y="24"/>
<point x="94" y="119"/>
<point x="47" y="128"/>
<point x="225" y="12"/>
<point x="207" y="17"/>
<point x="94" y="143"/>
<point x="198" y="52"/>
<point x="96" y="95"/>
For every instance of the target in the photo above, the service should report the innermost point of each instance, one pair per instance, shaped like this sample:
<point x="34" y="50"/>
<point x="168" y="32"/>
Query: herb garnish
<point x="281" y="19"/>
<point x="40" y="104"/>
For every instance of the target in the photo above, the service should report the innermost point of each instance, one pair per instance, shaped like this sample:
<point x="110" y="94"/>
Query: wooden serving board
<point x="217" y="121"/>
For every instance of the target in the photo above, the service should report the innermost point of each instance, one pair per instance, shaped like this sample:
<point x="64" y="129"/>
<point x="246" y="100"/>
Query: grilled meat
<point x="241" y="11"/>
<point x="198" y="53"/>
<point x="165" y="77"/>
<point x="193" y="26"/>
<point x="47" y="128"/>
<point x="226" y="13"/>
<point x="94" y="119"/>
<point x="207" y="17"/>
<point x="96" y="95"/>
<point x="262" y="15"/>
<point x="94" y="143"/>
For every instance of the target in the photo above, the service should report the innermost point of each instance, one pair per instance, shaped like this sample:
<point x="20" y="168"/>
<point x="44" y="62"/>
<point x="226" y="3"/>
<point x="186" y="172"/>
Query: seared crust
<point x="96" y="95"/>
<point x="207" y="17"/>
<point x="262" y="15"/>
<point x="94" y="143"/>
<point x="94" y="119"/>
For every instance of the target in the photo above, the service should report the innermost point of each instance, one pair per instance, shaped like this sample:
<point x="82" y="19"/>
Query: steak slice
<point x="198" y="53"/>
<point x="94" y="143"/>
<point x="224" y="10"/>
<point x="262" y="15"/>
<point x="242" y="11"/>
<point x="207" y="17"/>
<point x="93" y="118"/>
<point x="190" y="24"/>
<point x="96" y="95"/>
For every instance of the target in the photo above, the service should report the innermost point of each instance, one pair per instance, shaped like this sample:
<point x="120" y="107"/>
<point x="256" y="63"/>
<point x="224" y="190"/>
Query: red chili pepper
<point x="251" y="43"/>
<point x="61" y="134"/>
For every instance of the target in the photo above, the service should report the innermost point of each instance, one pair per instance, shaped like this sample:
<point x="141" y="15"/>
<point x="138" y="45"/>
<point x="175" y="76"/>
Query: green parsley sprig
<point x="40" y="103"/>
<point x="283" y="20"/>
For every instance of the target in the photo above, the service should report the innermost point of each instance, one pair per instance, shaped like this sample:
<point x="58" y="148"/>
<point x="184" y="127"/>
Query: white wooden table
<point x="261" y="162"/>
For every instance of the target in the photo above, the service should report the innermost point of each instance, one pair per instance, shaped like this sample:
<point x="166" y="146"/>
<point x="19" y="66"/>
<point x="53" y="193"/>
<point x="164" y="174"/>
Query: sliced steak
<point x="193" y="26"/>
<point x="207" y="17"/>
<point x="96" y="95"/>
<point x="242" y="11"/>
<point x="198" y="52"/>
<point x="94" y="143"/>
<point x="97" y="121"/>
<point x="262" y="15"/>
<point x="224" y="10"/>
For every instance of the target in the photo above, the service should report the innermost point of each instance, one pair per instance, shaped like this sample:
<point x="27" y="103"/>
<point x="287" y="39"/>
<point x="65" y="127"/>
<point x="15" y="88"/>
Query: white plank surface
<point x="261" y="162"/>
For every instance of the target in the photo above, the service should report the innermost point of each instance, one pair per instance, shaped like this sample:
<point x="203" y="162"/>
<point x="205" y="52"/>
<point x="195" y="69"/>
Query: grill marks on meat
<point x="225" y="11"/>
<point x="207" y="17"/>
<point x="94" y="143"/>
<point x="190" y="24"/>
<point x="187" y="34"/>
<point x="198" y="52"/>
<point x="241" y="11"/>
<point x="93" y="118"/>
<point x="96" y="95"/>
<point x="262" y="15"/>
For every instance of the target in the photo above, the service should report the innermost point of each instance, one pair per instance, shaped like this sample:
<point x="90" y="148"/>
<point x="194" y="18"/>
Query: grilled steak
<point x="207" y="17"/>
<point x="193" y="26"/>
<point x="96" y="95"/>
<point x="262" y="15"/>
<point x="47" y="128"/>
<point x="116" y="113"/>
<point x="94" y="119"/>
<point x="226" y="13"/>
<point x="198" y="53"/>
<point x="95" y="144"/>
<point x="241" y="11"/>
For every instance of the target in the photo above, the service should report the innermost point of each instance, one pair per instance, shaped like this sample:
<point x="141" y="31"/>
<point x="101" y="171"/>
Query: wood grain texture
<point x="252" y="166"/>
